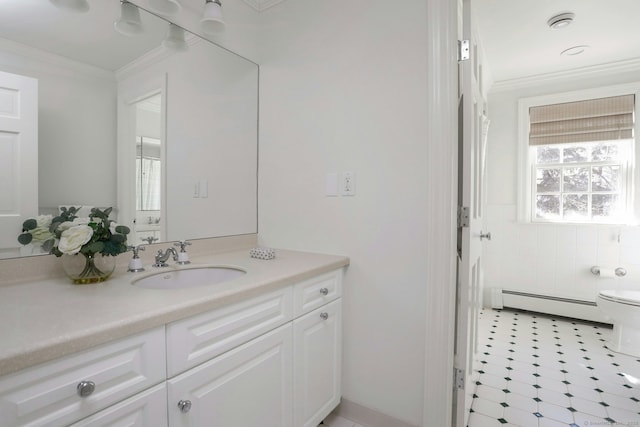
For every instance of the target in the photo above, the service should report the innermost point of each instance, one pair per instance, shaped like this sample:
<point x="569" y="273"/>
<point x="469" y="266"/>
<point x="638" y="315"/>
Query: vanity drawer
<point x="197" y="339"/>
<point x="317" y="291"/>
<point x="49" y="394"/>
<point x="148" y="408"/>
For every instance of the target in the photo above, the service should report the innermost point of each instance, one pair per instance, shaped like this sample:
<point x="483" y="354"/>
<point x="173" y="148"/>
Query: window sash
<point x="621" y="192"/>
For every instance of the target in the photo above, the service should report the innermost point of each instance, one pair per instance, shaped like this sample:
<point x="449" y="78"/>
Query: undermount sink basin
<point x="189" y="277"/>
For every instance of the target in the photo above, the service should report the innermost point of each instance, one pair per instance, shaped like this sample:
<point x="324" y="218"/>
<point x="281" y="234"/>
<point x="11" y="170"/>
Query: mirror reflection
<point x="158" y="123"/>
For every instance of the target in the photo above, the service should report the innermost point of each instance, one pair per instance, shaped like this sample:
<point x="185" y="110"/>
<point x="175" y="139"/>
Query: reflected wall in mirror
<point x="88" y="76"/>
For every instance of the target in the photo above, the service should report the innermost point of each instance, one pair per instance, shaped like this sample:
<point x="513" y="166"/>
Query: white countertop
<point x="46" y="319"/>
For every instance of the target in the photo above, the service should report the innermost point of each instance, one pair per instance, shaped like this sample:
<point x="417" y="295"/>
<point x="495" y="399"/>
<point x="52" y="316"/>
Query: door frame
<point x="128" y="95"/>
<point x="441" y="163"/>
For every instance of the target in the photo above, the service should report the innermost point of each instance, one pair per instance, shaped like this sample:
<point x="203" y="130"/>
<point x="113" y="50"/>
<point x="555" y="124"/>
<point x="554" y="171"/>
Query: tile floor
<point x="335" y="421"/>
<point x="543" y="371"/>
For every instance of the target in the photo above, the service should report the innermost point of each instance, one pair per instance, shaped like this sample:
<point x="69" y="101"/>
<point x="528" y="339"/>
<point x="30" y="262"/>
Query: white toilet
<point x="623" y="308"/>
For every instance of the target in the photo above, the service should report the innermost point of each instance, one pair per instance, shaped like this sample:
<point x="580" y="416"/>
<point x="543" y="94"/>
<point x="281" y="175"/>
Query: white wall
<point x="76" y="126"/>
<point x="344" y="88"/>
<point x="546" y="258"/>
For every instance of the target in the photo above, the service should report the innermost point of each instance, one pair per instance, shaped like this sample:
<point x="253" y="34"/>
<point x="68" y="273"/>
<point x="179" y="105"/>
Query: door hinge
<point x="464" y="52"/>
<point x="463" y="216"/>
<point x="458" y="378"/>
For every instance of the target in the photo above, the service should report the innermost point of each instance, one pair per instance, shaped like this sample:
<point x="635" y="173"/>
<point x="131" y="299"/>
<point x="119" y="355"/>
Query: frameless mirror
<point x="159" y="123"/>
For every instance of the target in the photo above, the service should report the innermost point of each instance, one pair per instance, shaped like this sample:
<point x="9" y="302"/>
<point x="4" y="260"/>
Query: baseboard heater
<point x="548" y="304"/>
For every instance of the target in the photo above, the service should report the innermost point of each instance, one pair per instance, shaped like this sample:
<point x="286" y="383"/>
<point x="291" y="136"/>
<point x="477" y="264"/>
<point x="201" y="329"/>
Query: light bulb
<point x="212" y="20"/>
<point x="129" y="23"/>
<point x="72" y="5"/>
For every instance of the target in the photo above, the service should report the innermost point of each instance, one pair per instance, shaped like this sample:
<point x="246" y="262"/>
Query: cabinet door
<point x="317" y="364"/>
<point x="148" y="408"/>
<point x="249" y="386"/>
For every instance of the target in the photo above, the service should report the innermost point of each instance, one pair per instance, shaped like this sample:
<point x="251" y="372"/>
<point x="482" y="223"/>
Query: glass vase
<point x="84" y="269"/>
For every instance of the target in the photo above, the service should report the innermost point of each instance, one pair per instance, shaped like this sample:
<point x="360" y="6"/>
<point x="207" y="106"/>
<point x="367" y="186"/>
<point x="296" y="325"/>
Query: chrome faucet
<point x="161" y="259"/>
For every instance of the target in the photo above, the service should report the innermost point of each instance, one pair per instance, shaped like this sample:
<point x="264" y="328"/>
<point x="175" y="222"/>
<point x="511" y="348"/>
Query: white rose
<point x="41" y="232"/>
<point x="44" y="220"/>
<point x="72" y="239"/>
<point x="78" y="221"/>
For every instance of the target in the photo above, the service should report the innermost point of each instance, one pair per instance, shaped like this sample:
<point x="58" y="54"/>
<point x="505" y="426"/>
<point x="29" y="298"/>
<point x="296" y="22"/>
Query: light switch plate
<point x="331" y="184"/>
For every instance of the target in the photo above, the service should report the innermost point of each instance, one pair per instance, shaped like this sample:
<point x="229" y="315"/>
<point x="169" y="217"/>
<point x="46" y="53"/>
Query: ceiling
<point x="88" y="37"/>
<point x="518" y="42"/>
<point x="514" y="33"/>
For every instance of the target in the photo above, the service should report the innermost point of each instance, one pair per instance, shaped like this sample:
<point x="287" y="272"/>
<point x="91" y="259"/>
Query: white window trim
<point x="525" y="184"/>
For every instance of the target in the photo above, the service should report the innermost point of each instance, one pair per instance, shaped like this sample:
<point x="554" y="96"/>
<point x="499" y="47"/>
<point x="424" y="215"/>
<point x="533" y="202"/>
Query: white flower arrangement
<point x="68" y="234"/>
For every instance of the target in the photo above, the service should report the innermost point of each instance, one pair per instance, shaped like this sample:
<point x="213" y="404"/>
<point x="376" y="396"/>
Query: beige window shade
<point x="600" y="119"/>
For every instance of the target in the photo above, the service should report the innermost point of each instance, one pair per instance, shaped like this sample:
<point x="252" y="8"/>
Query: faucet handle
<point x="135" y="264"/>
<point x="135" y="250"/>
<point x="149" y="239"/>
<point x="182" y="244"/>
<point x="183" y="256"/>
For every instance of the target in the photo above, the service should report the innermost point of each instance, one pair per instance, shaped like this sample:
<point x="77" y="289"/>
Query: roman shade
<point x="602" y="119"/>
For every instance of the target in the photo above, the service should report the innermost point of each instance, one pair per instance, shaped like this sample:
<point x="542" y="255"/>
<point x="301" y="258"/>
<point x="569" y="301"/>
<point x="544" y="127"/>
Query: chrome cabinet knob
<point x="184" y="406"/>
<point x="85" y="388"/>
<point x="324" y="291"/>
<point x="485" y="235"/>
<point x="324" y="315"/>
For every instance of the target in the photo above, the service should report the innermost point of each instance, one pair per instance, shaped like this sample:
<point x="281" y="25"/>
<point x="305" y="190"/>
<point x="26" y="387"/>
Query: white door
<point x="249" y="386"/>
<point x="470" y="235"/>
<point x="317" y="362"/>
<point x="131" y="94"/>
<point x="18" y="156"/>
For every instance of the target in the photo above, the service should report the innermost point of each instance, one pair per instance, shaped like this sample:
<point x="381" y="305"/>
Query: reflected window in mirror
<point x="148" y="174"/>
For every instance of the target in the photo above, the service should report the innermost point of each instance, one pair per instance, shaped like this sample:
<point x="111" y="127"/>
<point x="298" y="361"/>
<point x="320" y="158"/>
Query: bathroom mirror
<point x="87" y="73"/>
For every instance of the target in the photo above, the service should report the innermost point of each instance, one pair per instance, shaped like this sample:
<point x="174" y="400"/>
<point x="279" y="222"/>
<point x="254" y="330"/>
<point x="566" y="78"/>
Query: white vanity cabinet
<point x="65" y="390"/>
<point x="275" y="360"/>
<point x="268" y="359"/>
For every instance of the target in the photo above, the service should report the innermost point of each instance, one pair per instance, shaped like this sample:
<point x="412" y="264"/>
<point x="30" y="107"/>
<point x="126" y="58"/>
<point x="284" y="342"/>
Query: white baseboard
<point x="367" y="417"/>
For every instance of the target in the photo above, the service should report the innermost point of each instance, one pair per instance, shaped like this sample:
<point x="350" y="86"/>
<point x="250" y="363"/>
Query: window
<point x="148" y="174"/>
<point x="579" y="156"/>
<point x="581" y="182"/>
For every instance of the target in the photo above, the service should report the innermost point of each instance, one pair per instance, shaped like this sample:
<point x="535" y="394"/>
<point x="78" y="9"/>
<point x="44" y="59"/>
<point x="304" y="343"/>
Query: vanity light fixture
<point x="560" y="21"/>
<point x="129" y="22"/>
<point x="212" y="20"/>
<point x="175" y="39"/>
<point x="165" y="7"/>
<point x="72" y="5"/>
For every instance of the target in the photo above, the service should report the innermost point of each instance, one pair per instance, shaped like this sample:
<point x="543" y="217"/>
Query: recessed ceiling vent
<point x="560" y="21"/>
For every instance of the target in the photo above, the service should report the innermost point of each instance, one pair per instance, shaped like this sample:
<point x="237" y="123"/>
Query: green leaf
<point x="29" y="224"/>
<point x="123" y="229"/>
<point x="118" y="238"/>
<point x="47" y="246"/>
<point x="113" y="248"/>
<point x="93" y="247"/>
<point x="25" y="238"/>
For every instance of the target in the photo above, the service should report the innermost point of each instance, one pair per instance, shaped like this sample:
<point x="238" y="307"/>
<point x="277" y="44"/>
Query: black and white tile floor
<point x="543" y="371"/>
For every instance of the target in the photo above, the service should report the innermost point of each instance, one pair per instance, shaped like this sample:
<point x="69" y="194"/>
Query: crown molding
<point x="152" y="57"/>
<point x="25" y="57"/>
<point x="261" y="5"/>
<point x="629" y="65"/>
